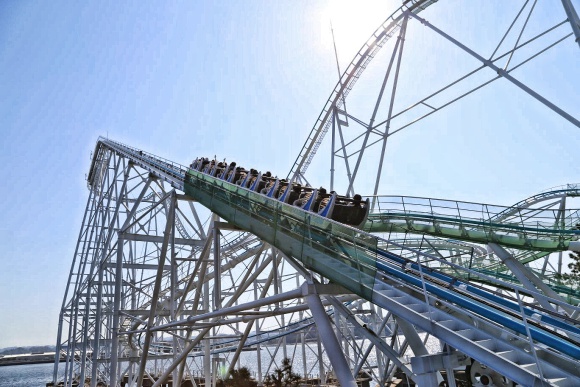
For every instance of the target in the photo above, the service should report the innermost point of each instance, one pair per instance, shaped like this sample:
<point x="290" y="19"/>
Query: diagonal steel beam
<point x="501" y="72"/>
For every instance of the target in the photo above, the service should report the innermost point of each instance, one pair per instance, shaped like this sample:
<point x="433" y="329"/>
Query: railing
<point x="541" y="229"/>
<point x="478" y="213"/>
<point x="168" y="167"/>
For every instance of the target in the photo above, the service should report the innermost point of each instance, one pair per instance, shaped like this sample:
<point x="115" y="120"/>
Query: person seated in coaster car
<point x="230" y="172"/>
<point x="197" y="163"/>
<point x="264" y="179"/>
<point x="204" y="166"/>
<point x="304" y="197"/>
<point x="252" y="178"/>
<point x="282" y="188"/>
<point x="327" y="200"/>
<point x="349" y="211"/>
<point x="220" y="169"/>
<point x="241" y="174"/>
<point x="193" y="164"/>
<point x="270" y="182"/>
<point x="321" y="195"/>
<point x="294" y="194"/>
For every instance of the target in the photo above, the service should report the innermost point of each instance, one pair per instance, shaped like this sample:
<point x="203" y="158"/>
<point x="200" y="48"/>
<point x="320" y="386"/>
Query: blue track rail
<point x="469" y="303"/>
<point x="461" y="286"/>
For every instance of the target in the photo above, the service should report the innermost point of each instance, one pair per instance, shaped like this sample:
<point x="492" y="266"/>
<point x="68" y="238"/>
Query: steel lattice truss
<point x="165" y="286"/>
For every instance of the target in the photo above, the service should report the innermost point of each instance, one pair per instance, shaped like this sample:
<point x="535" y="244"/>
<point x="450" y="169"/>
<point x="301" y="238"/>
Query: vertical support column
<point x="201" y="297"/>
<point x="560" y="223"/>
<point x="321" y="371"/>
<point x="572" y="18"/>
<point x="69" y="368"/>
<point x="302" y="334"/>
<point x="340" y="330"/>
<point x="448" y="366"/>
<point x="217" y="290"/>
<point x="258" y="346"/>
<point x="173" y="290"/>
<point x="156" y="290"/>
<point x="378" y="326"/>
<point x="96" y="342"/>
<point x="206" y="341"/>
<point x="332" y="148"/>
<point x="217" y="294"/>
<point x="116" y="315"/>
<point x="328" y="337"/>
<point x="58" y="347"/>
<point x="85" y="330"/>
<point x="277" y="290"/>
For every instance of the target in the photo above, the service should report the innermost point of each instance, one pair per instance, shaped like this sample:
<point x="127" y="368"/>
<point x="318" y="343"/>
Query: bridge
<point x="178" y="274"/>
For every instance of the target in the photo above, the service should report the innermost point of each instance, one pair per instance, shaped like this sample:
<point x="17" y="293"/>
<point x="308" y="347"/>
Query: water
<point x="37" y="375"/>
<point x="28" y="375"/>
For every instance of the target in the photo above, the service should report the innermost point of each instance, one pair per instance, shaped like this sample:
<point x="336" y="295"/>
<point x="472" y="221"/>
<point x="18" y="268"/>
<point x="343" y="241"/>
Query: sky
<point x="244" y="80"/>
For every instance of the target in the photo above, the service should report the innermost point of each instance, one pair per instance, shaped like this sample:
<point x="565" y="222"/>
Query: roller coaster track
<point x="518" y="226"/>
<point x="151" y="286"/>
<point x="367" y="52"/>
<point x="478" y="323"/>
<point x="532" y="232"/>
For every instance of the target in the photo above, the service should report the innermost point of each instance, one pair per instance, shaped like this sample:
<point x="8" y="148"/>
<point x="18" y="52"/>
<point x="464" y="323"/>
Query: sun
<point x="352" y="24"/>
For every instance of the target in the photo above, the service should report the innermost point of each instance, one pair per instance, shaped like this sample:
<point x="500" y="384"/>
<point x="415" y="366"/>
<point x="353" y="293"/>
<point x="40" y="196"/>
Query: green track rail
<point x="539" y="230"/>
<point x="312" y="239"/>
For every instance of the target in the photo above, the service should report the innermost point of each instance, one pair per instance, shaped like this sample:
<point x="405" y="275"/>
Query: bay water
<point x="28" y="375"/>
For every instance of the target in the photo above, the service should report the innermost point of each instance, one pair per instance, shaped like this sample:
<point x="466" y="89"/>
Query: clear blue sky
<point x="243" y="80"/>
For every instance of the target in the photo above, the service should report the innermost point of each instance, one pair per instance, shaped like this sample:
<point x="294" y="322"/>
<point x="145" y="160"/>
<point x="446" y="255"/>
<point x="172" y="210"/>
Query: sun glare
<point x="352" y="24"/>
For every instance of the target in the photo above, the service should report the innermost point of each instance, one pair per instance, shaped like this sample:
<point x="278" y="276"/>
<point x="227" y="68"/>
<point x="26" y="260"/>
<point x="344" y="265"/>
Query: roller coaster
<point x="352" y="211"/>
<point x="183" y="273"/>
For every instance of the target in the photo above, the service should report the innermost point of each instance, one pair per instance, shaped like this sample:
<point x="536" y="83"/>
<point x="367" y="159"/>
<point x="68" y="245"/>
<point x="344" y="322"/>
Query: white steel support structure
<point x="161" y="289"/>
<point x="142" y="241"/>
<point x="144" y="309"/>
<point x="387" y="117"/>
